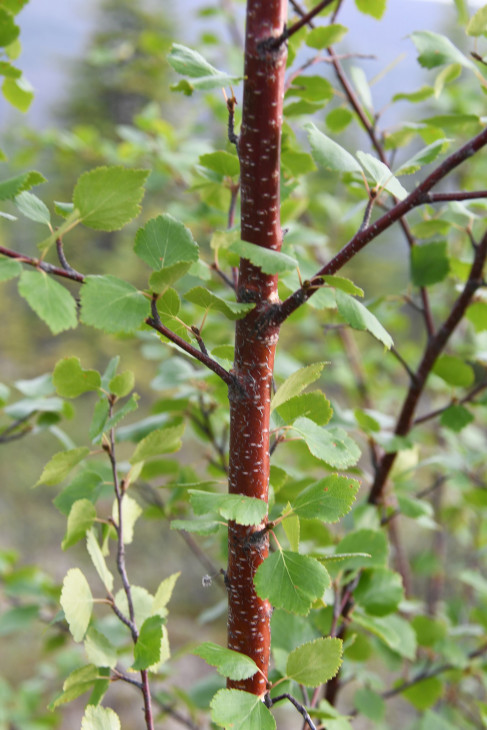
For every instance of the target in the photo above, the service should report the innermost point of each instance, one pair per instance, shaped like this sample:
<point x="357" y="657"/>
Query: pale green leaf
<point x="33" y="208"/>
<point x="360" y="318"/>
<point x="19" y="92"/>
<point x="160" y="441"/>
<point x="147" y="650"/>
<point x="393" y="630"/>
<point x="98" y="560"/>
<point x="141" y="600"/>
<point x="423" y="157"/>
<point x="454" y="371"/>
<point x="201" y="527"/>
<point x="49" y="300"/>
<point x="315" y="662"/>
<point x="234" y="709"/>
<point x="377" y="172"/>
<point x="9" y="268"/>
<point x="164" y="593"/>
<point x="76" y="684"/>
<point x="108" y="197"/>
<point x="238" y="507"/>
<point x="99" y="650"/>
<point x="437" y="50"/>
<point x="201" y="73"/>
<point x="296" y="383"/>
<point x="59" y="466"/>
<point x="221" y="162"/>
<point x="131" y="512"/>
<point x="167" y="246"/>
<point x="269" y="261"/>
<point x="340" y="282"/>
<point x="81" y="518"/>
<point x="121" y="385"/>
<point x="331" y="445"/>
<point x="477" y="315"/>
<point x="329" y="154"/>
<point x="97" y="717"/>
<point x="112" y="305"/>
<point x="8" y="28"/>
<point x="375" y="8"/>
<point x="325" y="35"/>
<point x="71" y="380"/>
<point x="327" y="500"/>
<point x="227" y="662"/>
<point x="77" y="602"/>
<point x="312" y="405"/>
<point x="477" y="25"/>
<point x="206" y="299"/>
<point x="291" y="581"/>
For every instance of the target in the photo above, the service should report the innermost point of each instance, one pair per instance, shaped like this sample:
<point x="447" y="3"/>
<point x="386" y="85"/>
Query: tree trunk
<point x="259" y="153"/>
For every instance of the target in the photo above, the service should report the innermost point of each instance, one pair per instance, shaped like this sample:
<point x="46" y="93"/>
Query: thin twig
<point x="63" y="260"/>
<point x="300" y="708"/>
<point x="471" y="395"/>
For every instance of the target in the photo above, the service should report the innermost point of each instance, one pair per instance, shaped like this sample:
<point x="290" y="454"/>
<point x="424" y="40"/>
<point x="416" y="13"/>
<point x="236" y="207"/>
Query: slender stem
<point x="300" y="708"/>
<point x="42" y="265"/>
<point x="63" y="260"/>
<point x="466" y="399"/>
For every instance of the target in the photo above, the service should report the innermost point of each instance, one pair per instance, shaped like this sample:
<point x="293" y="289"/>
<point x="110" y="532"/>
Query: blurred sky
<point x="55" y="32"/>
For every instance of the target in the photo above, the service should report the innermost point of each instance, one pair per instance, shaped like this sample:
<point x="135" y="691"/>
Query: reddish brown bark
<point x="259" y="152"/>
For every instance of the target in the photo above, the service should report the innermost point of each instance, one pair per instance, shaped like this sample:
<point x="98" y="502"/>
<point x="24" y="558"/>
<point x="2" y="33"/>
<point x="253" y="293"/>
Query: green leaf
<point x="33" y="208"/>
<point x="360" y="318"/>
<point x="112" y="305"/>
<point x="201" y="527"/>
<point x="107" y="198"/>
<point x="437" y="50"/>
<point x="329" y="154"/>
<point x="8" y="29"/>
<point x="425" y="92"/>
<point x="291" y="581"/>
<point x="76" y="684"/>
<point x="375" y="8"/>
<point x="477" y="315"/>
<point x="164" y="593"/>
<point x="98" y="561"/>
<point x="71" y="380"/>
<point x="423" y="157"/>
<point x="393" y="630"/>
<point x="379" y="591"/>
<point x="60" y="465"/>
<point x="80" y="520"/>
<point x="237" y="507"/>
<point x="122" y="384"/>
<point x="454" y="371"/>
<point x="477" y="25"/>
<point x="142" y="602"/>
<point x="424" y="694"/>
<point x="377" y="172"/>
<point x="296" y="383"/>
<point x="147" y="650"/>
<point x="312" y="405"/>
<point x="325" y="35"/>
<point x="363" y="541"/>
<point x="331" y="445"/>
<point x="456" y="417"/>
<point x="9" y="268"/>
<point x="339" y="119"/>
<point x="99" y="650"/>
<point x="327" y="500"/>
<point x="97" y="717"/>
<point x="19" y="92"/>
<point x="205" y="298"/>
<point x="203" y="75"/>
<point x="340" y="282"/>
<point x="161" y="441"/>
<point x="15" y="620"/>
<point x="315" y="662"/>
<point x="297" y="163"/>
<point x="429" y="630"/>
<point x="221" y="162"/>
<point x="167" y="246"/>
<point x="369" y="704"/>
<point x="429" y="263"/>
<point x="49" y="300"/>
<point x="269" y="261"/>
<point x="237" y="710"/>
<point x="77" y="602"/>
<point x="227" y="662"/>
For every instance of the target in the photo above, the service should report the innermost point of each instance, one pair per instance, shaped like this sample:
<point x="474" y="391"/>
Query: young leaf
<point x="381" y="175"/>
<point x="339" y="282"/>
<point x="59" y="466"/>
<point x="205" y="298"/>
<point x="227" y="662"/>
<point x="296" y="383"/>
<point x="423" y="157"/>
<point x="477" y="25"/>
<point x="167" y="246"/>
<point x="315" y="662"/>
<point x="161" y="441"/>
<point x="429" y="263"/>
<point x="360" y="318"/>
<point x="33" y="208"/>
<point x="269" y="261"/>
<point x="8" y="28"/>
<point x="71" y="380"/>
<point x="80" y="520"/>
<point x="291" y="581"/>
<point x="76" y="684"/>
<point x="331" y="445"/>
<point x="437" y="50"/>
<point x="329" y="154"/>
<point x="312" y="405"/>
<point x="325" y="35"/>
<point x="375" y="8"/>
<point x="112" y="305"/>
<point x="327" y="500"/>
<point x="97" y="717"/>
<point x="99" y="650"/>
<point x="98" y="560"/>
<point x="77" y="602"/>
<point x="121" y="385"/>
<point x="477" y="315"/>
<point x="164" y="593"/>
<point x="108" y="197"/>
<point x="237" y="710"/>
<point x="237" y="507"/>
<point x="19" y="92"/>
<point x="221" y="162"/>
<point x="131" y="511"/>
<point x="49" y="300"/>
<point x="9" y="189"/>
<point x="202" y="74"/>
<point x="147" y="650"/>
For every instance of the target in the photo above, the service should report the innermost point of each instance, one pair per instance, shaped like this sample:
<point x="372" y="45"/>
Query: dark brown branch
<point x="419" y="196"/>
<point x="63" y="260"/>
<point x="43" y="265"/>
<point x="269" y="701"/>
<point x="275" y="43"/>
